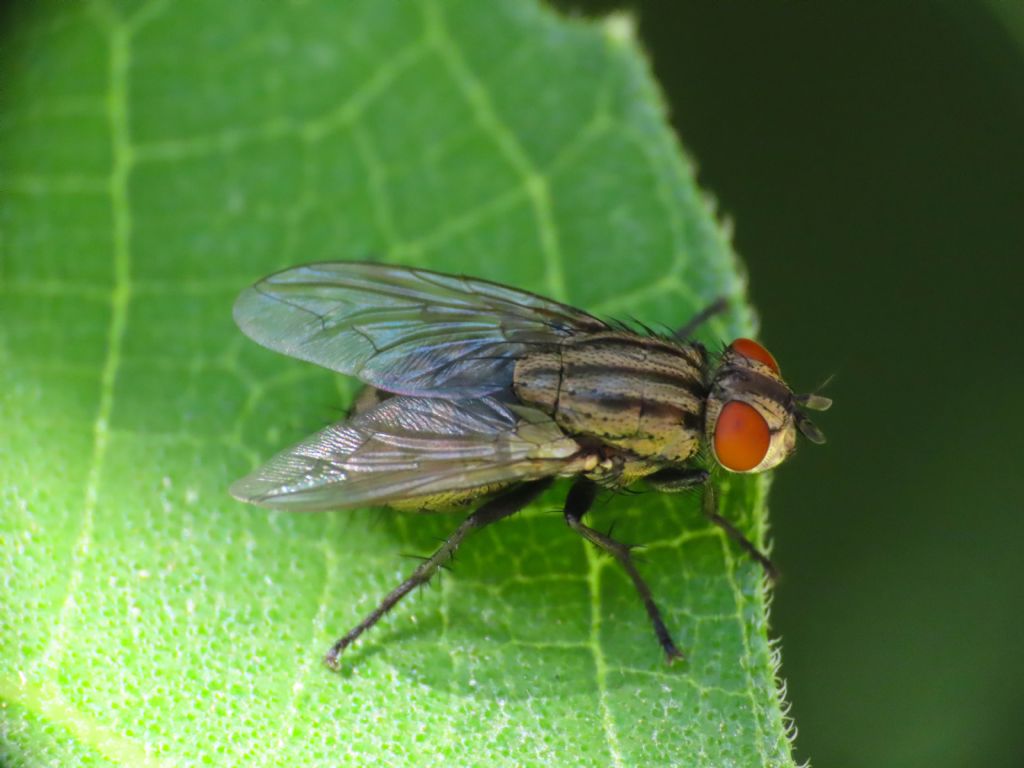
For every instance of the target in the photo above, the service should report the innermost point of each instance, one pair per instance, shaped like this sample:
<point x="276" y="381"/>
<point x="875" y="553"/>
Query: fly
<point x="482" y="395"/>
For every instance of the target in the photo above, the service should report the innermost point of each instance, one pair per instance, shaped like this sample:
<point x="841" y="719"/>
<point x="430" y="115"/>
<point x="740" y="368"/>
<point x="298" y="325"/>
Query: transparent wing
<point x="408" y="448"/>
<point x="407" y="331"/>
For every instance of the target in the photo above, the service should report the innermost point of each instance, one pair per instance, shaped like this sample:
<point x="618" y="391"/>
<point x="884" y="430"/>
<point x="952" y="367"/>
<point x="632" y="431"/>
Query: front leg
<point x="676" y="480"/>
<point x="581" y="497"/>
<point x="719" y="305"/>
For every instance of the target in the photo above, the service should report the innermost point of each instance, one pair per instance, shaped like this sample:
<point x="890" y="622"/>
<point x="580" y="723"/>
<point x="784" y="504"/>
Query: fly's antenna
<point x="814" y="402"/>
<point x="808" y="428"/>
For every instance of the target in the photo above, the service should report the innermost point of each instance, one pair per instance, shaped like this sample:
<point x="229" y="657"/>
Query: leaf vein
<point x="505" y="139"/>
<point x="120" y="298"/>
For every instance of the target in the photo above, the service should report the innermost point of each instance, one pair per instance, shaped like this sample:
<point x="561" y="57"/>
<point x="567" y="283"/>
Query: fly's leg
<point x="581" y="497"/>
<point x="711" y="512"/>
<point x="490" y="512"/>
<point x="716" y="307"/>
<point x="675" y="480"/>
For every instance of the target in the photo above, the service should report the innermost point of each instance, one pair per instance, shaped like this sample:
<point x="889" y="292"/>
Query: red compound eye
<point x="753" y="350"/>
<point x="742" y="437"/>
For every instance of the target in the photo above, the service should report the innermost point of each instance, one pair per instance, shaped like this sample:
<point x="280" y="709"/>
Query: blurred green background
<point x="871" y="155"/>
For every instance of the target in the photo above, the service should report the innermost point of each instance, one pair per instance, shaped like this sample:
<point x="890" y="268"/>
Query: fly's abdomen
<point x="641" y="394"/>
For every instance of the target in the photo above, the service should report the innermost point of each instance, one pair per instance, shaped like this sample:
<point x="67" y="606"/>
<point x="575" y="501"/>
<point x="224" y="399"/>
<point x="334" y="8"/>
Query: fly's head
<point x="752" y="416"/>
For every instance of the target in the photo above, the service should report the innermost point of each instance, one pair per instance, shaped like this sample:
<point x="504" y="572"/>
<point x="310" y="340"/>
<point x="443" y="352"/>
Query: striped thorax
<point x="641" y="395"/>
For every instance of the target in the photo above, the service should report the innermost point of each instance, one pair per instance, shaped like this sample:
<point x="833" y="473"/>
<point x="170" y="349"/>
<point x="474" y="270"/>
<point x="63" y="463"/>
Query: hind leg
<point x="490" y="512"/>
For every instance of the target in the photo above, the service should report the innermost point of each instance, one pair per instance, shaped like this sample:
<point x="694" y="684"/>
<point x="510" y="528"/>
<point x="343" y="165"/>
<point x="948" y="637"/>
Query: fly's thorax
<point x="643" y="395"/>
<point x="750" y="421"/>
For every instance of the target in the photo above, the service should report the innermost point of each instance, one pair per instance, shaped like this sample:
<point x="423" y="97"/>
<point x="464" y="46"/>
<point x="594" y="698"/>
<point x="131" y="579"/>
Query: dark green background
<point x="872" y="158"/>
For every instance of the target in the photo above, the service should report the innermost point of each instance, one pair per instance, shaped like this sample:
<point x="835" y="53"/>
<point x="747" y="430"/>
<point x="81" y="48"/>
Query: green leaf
<point x="154" y="160"/>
